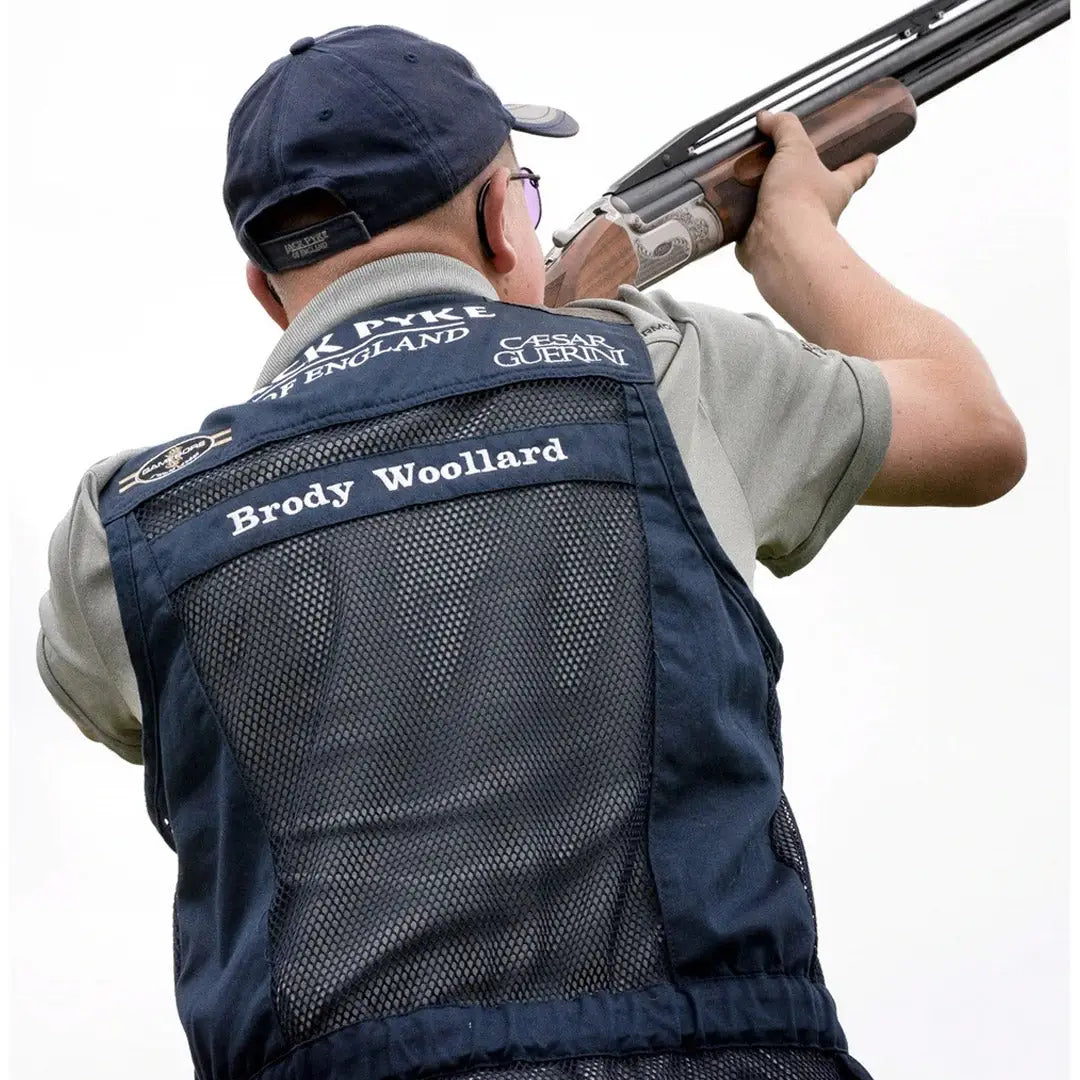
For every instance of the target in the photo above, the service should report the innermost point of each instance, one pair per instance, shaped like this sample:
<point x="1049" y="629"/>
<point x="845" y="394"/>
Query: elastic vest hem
<point x="753" y="1010"/>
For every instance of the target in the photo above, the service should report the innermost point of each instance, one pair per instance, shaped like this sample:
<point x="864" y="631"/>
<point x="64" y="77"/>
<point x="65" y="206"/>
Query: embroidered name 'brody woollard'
<point x="472" y="462"/>
<point x="175" y="457"/>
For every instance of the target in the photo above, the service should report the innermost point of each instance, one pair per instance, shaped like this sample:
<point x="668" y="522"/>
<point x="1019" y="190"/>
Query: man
<point x="462" y="723"/>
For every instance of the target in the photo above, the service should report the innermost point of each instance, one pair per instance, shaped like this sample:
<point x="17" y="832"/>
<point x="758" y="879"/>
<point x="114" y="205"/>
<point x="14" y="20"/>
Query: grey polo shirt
<point x="779" y="436"/>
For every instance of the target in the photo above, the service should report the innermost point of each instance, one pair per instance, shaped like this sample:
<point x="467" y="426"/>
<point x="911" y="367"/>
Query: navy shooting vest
<point x="461" y="724"/>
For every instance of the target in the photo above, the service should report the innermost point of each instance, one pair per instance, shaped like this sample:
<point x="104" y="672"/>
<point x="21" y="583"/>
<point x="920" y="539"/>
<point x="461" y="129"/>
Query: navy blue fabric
<point x="322" y="386"/>
<point x="303" y="246"/>
<point x="390" y="123"/>
<point x="694" y="519"/>
<point x="728" y="906"/>
<point x="119" y="537"/>
<point x="737" y="921"/>
<point x="225" y="877"/>
<point x="755" y="1010"/>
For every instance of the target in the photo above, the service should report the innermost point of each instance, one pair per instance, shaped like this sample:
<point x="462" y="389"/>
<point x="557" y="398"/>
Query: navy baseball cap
<point x="387" y="122"/>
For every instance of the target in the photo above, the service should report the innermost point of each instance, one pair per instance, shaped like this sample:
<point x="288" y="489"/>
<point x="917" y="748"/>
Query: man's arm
<point x="955" y="442"/>
<point x="82" y="653"/>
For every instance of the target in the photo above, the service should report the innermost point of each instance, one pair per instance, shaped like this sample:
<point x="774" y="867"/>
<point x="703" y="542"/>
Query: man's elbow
<point x="1001" y="458"/>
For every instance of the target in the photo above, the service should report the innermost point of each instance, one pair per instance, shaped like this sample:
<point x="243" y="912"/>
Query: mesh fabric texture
<point x="444" y="716"/>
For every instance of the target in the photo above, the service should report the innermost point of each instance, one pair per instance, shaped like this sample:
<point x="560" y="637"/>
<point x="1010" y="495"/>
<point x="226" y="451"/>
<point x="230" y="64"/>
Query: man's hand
<point x="797" y="191"/>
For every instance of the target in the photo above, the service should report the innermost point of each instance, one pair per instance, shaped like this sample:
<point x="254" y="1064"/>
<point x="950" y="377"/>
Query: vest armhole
<point x="601" y="314"/>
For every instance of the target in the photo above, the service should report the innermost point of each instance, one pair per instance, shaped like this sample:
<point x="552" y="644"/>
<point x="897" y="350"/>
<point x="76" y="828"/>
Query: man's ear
<point x="263" y="292"/>
<point x="503" y="257"/>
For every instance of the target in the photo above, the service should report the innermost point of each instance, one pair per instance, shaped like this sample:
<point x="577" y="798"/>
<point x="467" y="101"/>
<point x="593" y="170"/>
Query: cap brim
<point x="541" y="120"/>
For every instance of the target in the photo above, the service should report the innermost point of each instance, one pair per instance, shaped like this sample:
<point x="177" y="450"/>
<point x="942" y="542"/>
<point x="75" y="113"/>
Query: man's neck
<point x="300" y="287"/>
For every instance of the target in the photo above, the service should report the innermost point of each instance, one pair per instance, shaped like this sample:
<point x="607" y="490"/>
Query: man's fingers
<point x="785" y="129"/>
<point x="860" y="170"/>
<point x="787" y="132"/>
<point x="796" y="171"/>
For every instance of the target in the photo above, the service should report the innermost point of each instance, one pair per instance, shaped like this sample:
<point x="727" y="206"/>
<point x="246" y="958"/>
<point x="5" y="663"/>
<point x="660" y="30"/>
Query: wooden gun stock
<point x="870" y="120"/>
<point x="603" y="255"/>
<point x="599" y="260"/>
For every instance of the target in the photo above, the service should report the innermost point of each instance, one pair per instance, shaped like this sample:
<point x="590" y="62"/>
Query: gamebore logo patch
<point x="175" y="457"/>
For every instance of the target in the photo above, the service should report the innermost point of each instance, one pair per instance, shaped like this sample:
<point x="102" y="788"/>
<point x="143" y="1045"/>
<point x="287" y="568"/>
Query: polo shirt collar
<point x="397" y="277"/>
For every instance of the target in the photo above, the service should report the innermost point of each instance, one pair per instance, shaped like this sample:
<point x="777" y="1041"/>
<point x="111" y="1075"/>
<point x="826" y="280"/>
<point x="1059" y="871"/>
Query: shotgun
<point x="698" y="192"/>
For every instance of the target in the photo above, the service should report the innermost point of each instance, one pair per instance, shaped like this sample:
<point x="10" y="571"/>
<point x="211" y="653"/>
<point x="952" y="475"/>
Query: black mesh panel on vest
<point x="728" y="1063"/>
<point x="444" y="717"/>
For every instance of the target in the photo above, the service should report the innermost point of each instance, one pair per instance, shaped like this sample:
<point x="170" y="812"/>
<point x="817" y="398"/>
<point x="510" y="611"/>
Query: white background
<point x="925" y="687"/>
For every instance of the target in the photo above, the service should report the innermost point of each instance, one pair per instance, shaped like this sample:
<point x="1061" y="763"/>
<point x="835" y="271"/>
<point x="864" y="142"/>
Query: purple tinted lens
<point x="532" y="198"/>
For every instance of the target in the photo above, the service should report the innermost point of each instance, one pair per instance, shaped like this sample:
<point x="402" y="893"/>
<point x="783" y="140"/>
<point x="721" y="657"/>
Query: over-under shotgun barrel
<point x="647" y="228"/>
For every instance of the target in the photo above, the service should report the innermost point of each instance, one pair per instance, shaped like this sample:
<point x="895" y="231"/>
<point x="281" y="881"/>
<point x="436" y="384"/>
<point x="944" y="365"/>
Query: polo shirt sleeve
<point x="805" y="428"/>
<point x="82" y="653"/>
